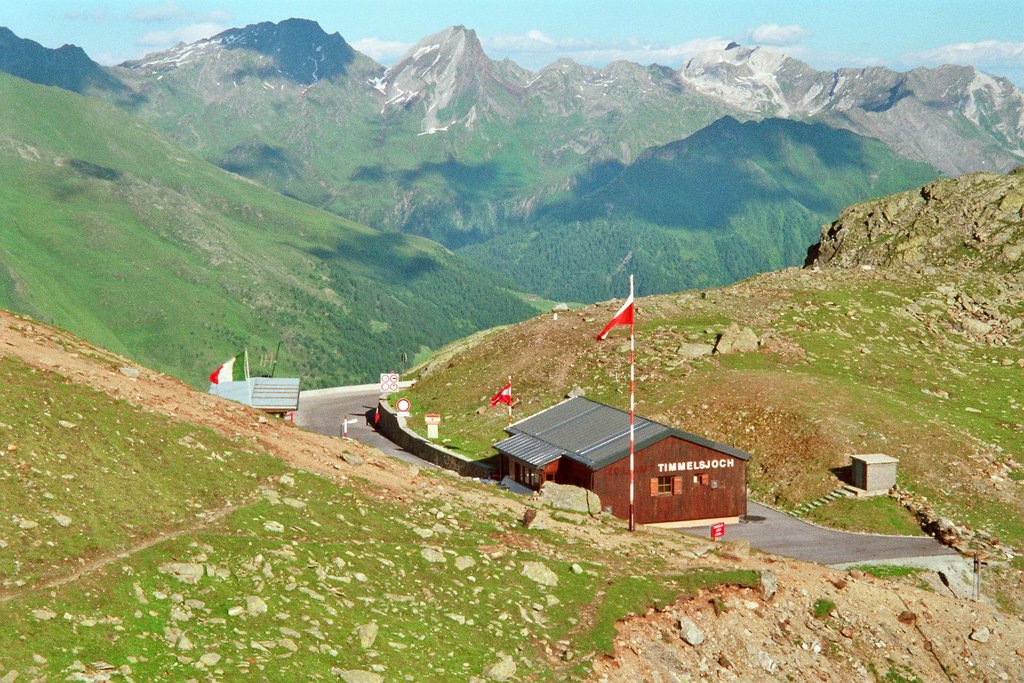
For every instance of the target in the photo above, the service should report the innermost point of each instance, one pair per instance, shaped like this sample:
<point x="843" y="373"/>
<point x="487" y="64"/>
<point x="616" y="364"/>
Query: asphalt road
<point x="322" y="412"/>
<point x="768" y="530"/>
<point x="782" y="534"/>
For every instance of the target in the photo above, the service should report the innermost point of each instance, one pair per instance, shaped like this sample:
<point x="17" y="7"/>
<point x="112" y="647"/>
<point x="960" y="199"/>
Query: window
<point x="666" y="486"/>
<point x="661" y="486"/>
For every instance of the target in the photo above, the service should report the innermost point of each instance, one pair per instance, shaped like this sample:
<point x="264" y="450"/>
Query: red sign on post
<point x="717" y="530"/>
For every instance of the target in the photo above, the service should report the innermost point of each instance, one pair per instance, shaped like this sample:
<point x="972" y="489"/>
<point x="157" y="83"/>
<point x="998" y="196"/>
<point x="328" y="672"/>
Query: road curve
<point x="323" y="411"/>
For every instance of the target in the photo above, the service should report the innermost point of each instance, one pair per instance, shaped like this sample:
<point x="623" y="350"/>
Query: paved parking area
<point x="782" y="534"/>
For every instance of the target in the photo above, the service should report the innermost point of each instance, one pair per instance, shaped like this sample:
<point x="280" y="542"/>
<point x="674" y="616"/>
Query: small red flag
<point x="503" y="396"/>
<point x="623" y="317"/>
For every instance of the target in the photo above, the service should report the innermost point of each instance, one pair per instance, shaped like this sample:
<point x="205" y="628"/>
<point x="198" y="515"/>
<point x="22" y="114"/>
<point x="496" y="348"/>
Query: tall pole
<point x="632" y="405"/>
<point x="510" y="399"/>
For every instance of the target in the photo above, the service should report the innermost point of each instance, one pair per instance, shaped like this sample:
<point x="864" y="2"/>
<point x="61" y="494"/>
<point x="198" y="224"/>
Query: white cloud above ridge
<point x="169" y="11"/>
<point x="182" y="34"/>
<point x="986" y="53"/>
<point x="775" y="34"/>
<point x="382" y="51"/>
<point x="535" y="49"/>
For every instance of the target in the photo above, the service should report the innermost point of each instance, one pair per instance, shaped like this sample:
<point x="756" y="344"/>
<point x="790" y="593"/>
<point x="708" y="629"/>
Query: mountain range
<point x="558" y="181"/>
<point x="465" y="150"/>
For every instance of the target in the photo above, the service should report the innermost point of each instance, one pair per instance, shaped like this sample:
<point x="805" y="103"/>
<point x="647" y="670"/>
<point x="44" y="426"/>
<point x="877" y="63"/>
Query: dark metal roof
<point x="591" y="433"/>
<point x="530" y="449"/>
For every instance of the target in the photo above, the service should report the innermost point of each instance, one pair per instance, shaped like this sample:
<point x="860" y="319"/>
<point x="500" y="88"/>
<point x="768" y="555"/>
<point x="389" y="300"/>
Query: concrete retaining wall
<point x="395" y="429"/>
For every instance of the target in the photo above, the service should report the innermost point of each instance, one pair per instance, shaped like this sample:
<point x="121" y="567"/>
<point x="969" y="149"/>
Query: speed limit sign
<point x="403" y="406"/>
<point x="388" y="382"/>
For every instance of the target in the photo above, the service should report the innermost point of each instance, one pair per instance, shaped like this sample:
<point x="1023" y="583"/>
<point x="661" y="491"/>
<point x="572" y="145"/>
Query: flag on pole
<point x="234" y="370"/>
<point x="623" y="317"/>
<point x="503" y="396"/>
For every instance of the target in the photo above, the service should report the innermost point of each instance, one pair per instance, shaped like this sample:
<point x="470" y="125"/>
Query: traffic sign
<point x="388" y="382"/>
<point x="718" y="530"/>
<point x="403" y="406"/>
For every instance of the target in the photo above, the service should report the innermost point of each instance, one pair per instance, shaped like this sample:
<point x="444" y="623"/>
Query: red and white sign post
<point x="433" y="421"/>
<point x="403" y="406"/>
<point x="345" y="421"/>
<point x="717" y="530"/>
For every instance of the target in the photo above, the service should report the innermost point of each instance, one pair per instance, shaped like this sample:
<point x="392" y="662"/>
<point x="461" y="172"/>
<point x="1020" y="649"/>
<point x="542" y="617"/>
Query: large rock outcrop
<point x="974" y="219"/>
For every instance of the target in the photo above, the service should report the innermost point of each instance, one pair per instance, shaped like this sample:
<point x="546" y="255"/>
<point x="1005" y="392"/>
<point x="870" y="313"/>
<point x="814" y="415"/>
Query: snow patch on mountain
<point x="433" y="73"/>
<point x="746" y="78"/>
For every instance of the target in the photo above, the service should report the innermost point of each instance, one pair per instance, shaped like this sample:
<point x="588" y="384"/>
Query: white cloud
<point x="98" y="15"/>
<point x="184" y="34"/>
<point x="774" y="34"/>
<point x="535" y="49"/>
<point x="987" y="53"/>
<point x="383" y="51"/>
<point x="169" y="11"/>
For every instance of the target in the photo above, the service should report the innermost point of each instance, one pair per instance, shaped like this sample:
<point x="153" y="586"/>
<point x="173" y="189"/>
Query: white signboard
<point x="388" y="382"/>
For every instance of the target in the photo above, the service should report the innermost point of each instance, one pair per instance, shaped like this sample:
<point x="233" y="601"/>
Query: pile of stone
<point x="961" y="537"/>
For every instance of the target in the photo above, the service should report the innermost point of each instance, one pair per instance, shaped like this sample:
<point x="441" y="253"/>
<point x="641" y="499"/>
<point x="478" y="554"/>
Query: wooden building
<point x="680" y="479"/>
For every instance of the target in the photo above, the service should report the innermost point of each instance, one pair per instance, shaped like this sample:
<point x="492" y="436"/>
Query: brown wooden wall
<point x="693" y="500"/>
<point x="507" y="467"/>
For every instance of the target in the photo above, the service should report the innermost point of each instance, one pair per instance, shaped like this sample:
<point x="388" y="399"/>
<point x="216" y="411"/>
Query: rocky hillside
<point x="151" y="532"/>
<point x="975" y="221"/>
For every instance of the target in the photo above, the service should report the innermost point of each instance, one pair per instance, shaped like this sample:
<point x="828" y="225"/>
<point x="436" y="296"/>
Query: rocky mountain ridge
<point x="975" y="221"/>
<point x="953" y="117"/>
<point x="296" y="49"/>
<point x="67" y="67"/>
<point x="919" y="113"/>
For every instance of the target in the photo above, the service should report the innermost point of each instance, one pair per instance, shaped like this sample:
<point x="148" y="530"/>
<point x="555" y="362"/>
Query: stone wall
<point x="395" y="428"/>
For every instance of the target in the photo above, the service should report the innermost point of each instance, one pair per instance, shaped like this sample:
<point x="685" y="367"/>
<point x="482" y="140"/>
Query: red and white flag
<point x="503" y="396"/>
<point x="623" y="317"/>
<point x="234" y="370"/>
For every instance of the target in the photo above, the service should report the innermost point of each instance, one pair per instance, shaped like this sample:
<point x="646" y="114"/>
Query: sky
<point x="904" y="34"/>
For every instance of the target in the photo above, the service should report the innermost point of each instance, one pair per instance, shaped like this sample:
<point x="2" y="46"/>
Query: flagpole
<point x="510" y="399"/>
<point x="632" y="408"/>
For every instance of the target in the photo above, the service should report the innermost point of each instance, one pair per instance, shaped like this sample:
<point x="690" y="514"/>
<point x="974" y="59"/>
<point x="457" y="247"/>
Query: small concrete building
<point x="873" y="473"/>
<point x="680" y="479"/>
<point x="277" y="395"/>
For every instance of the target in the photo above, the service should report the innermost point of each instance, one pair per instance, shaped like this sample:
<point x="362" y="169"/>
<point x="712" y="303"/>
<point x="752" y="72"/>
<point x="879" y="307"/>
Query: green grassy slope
<point x="120" y="236"/>
<point x="852" y="362"/>
<point x="731" y="200"/>
<point x="202" y="556"/>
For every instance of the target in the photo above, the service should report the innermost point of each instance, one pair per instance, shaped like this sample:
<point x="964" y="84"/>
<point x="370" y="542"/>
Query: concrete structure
<point x="680" y="479"/>
<point x="272" y="394"/>
<point x="873" y="473"/>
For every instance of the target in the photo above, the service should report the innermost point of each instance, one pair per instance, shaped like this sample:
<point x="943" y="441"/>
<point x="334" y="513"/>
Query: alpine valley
<point x="558" y="182"/>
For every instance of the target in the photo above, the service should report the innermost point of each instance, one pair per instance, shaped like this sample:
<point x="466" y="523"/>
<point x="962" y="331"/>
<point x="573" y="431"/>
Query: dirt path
<point x="100" y="562"/>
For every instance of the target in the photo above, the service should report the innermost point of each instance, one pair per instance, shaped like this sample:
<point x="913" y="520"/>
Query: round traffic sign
<point x="388" y="382"/>
<point x="403" y="405"/>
